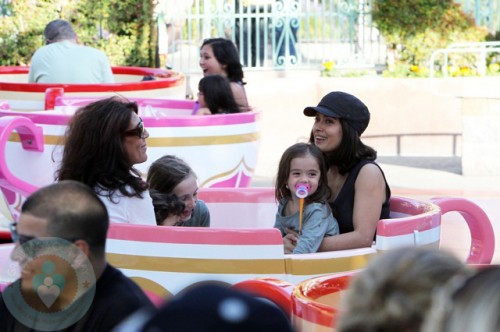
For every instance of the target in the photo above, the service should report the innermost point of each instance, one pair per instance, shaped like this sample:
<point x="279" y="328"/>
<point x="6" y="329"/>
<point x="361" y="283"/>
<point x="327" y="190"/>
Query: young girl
<point x="172" y="175"/>
<point x="302" y="170"/>
<point x="215" y="96"/>
<point x="168" y="208"/>
<point x="219" y="56"/>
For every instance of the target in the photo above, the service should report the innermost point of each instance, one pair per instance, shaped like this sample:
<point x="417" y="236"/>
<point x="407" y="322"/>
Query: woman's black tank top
<point x="342" y="207"/>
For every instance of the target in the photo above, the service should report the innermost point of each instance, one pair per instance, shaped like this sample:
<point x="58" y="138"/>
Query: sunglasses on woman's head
<point x="137" y="131"/>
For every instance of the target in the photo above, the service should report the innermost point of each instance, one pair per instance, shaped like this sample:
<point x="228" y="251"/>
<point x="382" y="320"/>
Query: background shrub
<point x="123" y="29"/>
<point x="413" y="29"/>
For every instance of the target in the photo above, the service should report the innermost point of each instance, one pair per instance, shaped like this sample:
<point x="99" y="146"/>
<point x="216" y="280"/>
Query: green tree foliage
<point x="413" y="29"/>
<point x="124" y="29"/>
<point x="22" y="32"/>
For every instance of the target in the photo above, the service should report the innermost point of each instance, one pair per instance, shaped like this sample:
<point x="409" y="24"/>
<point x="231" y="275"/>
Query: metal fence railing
<point x="399" y="137"/>
<point x="279" y="34"/>
<point x="292" y="34"/>
<point x="480" y="50"/>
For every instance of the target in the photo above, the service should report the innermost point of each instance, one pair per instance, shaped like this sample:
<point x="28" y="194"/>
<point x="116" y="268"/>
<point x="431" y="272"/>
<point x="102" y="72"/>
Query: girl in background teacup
<point x="215" y="96"/>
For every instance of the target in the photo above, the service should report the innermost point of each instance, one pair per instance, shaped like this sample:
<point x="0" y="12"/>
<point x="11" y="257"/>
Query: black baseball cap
<point x="344" y="106"/>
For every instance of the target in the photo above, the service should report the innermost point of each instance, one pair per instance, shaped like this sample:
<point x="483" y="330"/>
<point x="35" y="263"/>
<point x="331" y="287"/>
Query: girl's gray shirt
<point x="317" y="222"/>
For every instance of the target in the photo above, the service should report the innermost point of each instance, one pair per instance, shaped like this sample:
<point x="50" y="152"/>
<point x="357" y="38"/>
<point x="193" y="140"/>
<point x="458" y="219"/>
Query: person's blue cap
<point x="344" y="106"/>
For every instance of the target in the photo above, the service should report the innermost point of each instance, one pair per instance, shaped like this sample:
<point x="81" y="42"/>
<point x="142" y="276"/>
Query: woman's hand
<point x="290" y="240"/>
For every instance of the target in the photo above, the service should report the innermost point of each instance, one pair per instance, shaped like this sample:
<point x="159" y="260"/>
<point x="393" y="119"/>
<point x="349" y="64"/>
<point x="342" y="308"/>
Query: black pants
<point x="252" y="31"/>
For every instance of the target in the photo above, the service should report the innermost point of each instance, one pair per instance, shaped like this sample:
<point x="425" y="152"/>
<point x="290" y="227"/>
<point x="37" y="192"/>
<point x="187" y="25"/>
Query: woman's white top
<point x="129" y="210"/>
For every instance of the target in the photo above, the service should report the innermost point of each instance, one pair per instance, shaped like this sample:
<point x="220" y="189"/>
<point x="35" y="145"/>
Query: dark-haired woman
<point x="360" y="193"/>
<point x="219" y="56"/>
<point x="103" y="142"/>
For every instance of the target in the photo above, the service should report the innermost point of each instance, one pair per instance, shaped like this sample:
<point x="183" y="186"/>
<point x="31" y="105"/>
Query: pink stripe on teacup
<point x="195" y="235"/>
<point x="237" y="195"/>
<point x="57" y="118"/>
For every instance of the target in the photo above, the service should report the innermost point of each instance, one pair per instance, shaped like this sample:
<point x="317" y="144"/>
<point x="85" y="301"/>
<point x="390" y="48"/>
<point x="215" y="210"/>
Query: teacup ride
<point x="23" y="96"/>
<point x="242" y="249"/>
<point x="221" y="149"/>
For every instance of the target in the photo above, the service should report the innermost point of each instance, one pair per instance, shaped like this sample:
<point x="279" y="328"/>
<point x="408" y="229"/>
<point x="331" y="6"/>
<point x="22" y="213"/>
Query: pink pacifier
<point x="302" y="190"/>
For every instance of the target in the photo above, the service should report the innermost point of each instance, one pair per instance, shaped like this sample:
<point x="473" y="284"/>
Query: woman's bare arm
<point x="203" y="111"/>
<point x="368" y="199"/>
<point x="240" y="96"/>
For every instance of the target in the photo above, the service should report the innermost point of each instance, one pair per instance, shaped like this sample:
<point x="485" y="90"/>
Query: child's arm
<point x="203" y="111"/>
<point x="318" y="221"/>
<point x="280" y="225"/>
<point x="279" y="220"/>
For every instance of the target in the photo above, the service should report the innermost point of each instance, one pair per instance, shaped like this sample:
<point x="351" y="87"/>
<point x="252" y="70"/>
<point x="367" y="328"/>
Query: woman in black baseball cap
<point x="360" y="193"/>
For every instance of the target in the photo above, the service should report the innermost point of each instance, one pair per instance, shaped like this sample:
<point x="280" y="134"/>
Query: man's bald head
<point x="72" y="211"/>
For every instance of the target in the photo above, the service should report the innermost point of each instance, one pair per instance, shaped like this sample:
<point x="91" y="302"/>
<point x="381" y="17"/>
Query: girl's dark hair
<point x="298" y="150"/>
<point x="165" y="205"/>
<point x="350" y="151"/>
<point x="166" y="173"/>
<point x="226" y="54"/>
<point x="218" y="94"/>
<point x="93" y="148"/>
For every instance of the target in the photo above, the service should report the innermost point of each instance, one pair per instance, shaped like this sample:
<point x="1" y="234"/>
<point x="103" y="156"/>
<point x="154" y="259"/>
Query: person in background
<point x="467" y="304"/>
<point x="103" y="142"/>
<point x="303" y="165"/>
<point x="66" y="283"/>
<point x="173" y="14"/>
<point x="172" y="175"/>
<point x="286" y="25"/>
<point x="255" y="20"/>
<point x="253" y="26"/>
<point x="394" y="292"/>
<point x="360" y="193"/>
<point x="63" y="60"/>
<point x="215" y="96"/>
<point x="219" y="56"/>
